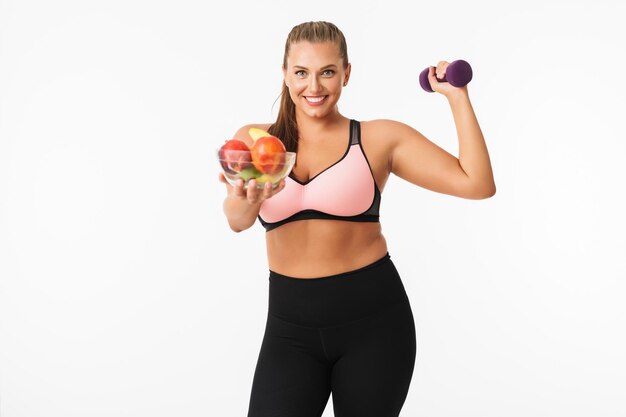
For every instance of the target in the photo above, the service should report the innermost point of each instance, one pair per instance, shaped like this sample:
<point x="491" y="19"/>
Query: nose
<point x="315" y="85"/>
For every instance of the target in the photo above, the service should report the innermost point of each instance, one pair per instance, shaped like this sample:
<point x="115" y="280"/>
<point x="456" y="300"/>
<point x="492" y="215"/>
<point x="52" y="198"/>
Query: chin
<point x="316" y="114"/>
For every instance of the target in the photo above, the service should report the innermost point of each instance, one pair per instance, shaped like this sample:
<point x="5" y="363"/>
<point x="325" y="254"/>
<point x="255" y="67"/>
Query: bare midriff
<point x="318" y="247"/>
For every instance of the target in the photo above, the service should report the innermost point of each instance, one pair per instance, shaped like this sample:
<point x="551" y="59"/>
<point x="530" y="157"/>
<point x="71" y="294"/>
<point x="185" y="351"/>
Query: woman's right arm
<point x="242" y="205"/>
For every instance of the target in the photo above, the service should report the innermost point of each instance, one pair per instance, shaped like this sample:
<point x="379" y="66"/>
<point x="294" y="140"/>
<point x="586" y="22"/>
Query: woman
<point x="339" y="319"/>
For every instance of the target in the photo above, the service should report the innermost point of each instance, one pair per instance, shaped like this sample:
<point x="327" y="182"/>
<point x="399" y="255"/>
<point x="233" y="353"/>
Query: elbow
<point x="238" y="227"/>
<point x="233" y="225"/>
<point x="482" y="193"/>
<point x="487" y="193"/>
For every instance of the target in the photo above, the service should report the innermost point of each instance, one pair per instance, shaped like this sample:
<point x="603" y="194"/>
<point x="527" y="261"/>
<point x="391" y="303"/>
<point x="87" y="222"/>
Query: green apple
<point x="249" y="173"/>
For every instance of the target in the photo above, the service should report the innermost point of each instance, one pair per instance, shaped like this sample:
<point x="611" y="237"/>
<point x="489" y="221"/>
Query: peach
<point x="268" y="154"/>
<point x="235" y="156"/>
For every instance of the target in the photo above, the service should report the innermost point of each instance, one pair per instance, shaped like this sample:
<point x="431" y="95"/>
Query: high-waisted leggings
<point x="351" y="334"/>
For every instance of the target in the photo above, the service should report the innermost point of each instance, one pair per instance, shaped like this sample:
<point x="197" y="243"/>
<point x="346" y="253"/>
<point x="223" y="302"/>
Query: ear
<point x="284" y="74"/>
<point x="347" y="74"/>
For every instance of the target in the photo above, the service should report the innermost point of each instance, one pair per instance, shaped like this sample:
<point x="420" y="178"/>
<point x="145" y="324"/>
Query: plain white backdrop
<point x="124" y="293"/>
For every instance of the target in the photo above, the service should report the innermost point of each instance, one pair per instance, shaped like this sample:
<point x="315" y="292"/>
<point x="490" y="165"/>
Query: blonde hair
<point x="285" y="126"/>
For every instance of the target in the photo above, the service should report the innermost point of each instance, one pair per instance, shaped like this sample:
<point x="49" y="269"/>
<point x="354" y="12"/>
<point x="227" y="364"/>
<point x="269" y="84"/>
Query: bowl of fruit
<point x="265" y="161"/>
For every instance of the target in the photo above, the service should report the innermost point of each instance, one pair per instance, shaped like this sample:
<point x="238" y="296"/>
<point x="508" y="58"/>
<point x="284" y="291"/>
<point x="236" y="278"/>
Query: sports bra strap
<point x="355" y="132"/>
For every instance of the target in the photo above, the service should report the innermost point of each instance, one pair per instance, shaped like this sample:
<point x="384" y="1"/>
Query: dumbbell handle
<point x="458" y="73"/>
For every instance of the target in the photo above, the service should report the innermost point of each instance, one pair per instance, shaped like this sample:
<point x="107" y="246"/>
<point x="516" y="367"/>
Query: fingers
<point x="432" y="72"/>
<point x="432" y="78"/>
<point x="238" y="189"/>
<point x="256" y="195"/>
<point x="251" y="192"/>
<point x="440" y="70"/>
<point x="436" y="76"/>
<point x="223" y="179"/>
<point x="267" y="190"/>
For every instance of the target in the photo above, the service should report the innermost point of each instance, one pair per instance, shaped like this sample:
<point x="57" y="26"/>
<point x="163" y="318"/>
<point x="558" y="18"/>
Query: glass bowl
<point x="238" y="164"/>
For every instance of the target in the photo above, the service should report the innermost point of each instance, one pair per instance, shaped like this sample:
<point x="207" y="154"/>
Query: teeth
<point x="315" y="99"/>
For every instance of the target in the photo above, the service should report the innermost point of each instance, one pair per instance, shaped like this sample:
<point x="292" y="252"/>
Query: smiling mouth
<point x="315" y="100"/>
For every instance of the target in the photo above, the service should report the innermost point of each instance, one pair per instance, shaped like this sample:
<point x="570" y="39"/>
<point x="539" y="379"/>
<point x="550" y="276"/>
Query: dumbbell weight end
<point x="458" y="73"/>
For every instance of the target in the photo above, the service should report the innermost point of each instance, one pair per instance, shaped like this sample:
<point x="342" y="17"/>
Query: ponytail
<point x="285" y="127"/>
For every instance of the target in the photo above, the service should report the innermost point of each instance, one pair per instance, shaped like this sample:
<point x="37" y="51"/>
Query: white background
<point x="124" y="293"/>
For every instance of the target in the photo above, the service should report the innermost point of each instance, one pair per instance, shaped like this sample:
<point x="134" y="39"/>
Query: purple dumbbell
<point x="458" y="74"/>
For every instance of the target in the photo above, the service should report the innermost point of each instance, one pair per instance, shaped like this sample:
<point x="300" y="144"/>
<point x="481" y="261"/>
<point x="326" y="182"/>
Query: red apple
<point x="235" y="156"/>
<point x="268" y="154"/>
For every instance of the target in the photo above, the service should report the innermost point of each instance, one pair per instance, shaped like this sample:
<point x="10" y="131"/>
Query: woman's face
<point x="315" y="77"/>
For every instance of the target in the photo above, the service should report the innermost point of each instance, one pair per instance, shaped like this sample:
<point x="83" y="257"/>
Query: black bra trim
<point x="315" y="214"/>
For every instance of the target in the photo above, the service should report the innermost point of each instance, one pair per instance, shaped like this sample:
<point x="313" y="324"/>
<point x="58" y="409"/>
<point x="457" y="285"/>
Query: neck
<point x="317" y="124"/>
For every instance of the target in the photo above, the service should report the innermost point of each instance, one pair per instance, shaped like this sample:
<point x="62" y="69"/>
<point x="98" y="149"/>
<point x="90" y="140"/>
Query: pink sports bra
<point x="345" y="191"/>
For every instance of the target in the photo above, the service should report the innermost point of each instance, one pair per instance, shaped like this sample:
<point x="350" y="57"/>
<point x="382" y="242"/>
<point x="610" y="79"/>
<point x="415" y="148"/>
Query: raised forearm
<point x="473" y="154"/>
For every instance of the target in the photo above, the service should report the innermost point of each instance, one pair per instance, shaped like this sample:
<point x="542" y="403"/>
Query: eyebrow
<point x="327" y="66"/>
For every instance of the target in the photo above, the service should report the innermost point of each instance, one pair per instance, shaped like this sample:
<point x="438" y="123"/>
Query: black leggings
<point x="351" y="334"/>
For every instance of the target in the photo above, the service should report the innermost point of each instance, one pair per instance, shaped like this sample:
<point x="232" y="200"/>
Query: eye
<point x="328" y="72"/>
<point x="300" y="73"/>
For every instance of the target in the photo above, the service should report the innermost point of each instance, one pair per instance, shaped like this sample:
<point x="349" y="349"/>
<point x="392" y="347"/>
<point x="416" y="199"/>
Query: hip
<point x="339" y="298"/>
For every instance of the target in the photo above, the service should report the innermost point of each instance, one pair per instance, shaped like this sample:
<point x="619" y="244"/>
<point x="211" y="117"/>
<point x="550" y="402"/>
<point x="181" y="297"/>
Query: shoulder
<point x="379" y="139"/>
<point x="242" y="133"/>
<point x="385" y="130"/>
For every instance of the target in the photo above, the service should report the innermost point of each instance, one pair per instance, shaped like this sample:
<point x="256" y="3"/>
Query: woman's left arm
<point x="420" y="161"/>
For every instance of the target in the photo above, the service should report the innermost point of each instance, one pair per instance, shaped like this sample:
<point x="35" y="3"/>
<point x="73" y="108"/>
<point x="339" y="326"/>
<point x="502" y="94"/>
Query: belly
<point x="317" y="248"/>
